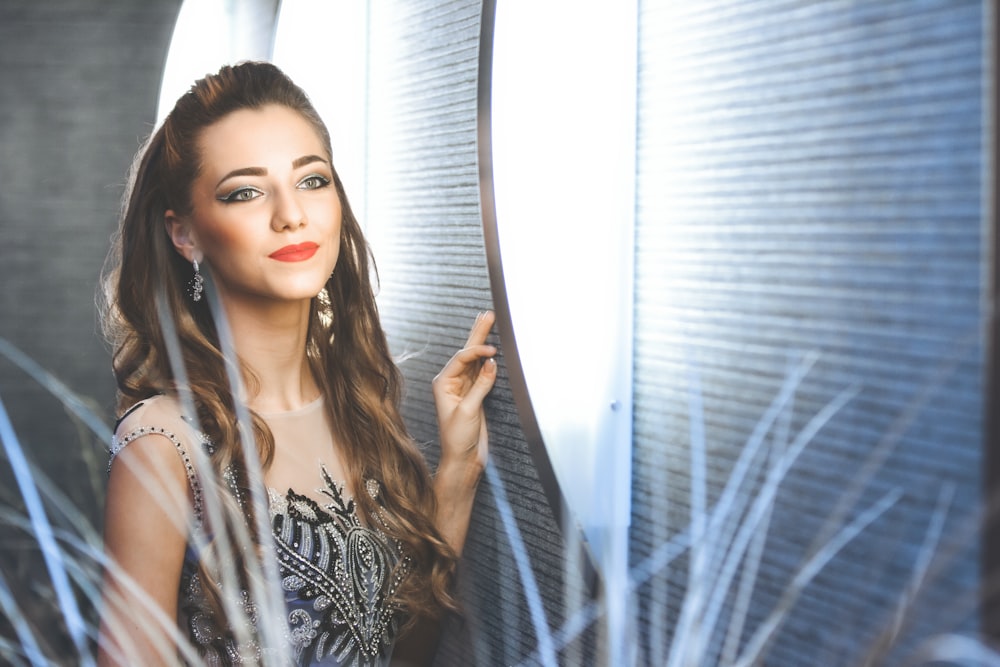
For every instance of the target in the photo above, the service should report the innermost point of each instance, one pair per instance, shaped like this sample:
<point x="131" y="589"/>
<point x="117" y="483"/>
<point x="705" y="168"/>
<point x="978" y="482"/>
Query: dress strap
<point x="118" y="422"/>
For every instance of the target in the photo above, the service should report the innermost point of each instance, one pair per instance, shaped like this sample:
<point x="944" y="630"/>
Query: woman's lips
<point x="295" y="253"/>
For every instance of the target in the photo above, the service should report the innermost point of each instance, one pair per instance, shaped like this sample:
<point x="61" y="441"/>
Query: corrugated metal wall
<point x="810" y="179"/>
<point x="425" y="228"/>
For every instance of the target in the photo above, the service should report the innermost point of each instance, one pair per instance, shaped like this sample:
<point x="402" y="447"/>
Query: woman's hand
<point x="459" y="390"/>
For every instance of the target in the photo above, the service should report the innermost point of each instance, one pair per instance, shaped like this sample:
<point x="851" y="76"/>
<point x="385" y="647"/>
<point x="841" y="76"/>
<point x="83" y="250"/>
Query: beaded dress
<point x="337" y="574"/>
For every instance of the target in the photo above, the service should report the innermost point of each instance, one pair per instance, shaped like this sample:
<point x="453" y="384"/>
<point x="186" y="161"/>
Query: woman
<point x="240" y="179"/>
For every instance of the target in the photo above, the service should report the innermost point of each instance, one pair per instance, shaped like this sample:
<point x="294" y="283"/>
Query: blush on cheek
<point x="220" y="239"/>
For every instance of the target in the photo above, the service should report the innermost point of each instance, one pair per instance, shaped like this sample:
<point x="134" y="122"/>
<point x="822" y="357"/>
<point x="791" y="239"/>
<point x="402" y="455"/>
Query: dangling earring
<point x="197" y="284"/>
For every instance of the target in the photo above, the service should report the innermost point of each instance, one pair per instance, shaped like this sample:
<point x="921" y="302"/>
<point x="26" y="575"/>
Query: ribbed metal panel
<point x="810" y="179"/>
<point x="425" y="228"/>
<point x="78" y="84"/>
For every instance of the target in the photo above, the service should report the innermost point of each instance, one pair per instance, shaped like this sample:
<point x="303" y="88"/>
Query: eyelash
<point x="323" y="181"/>
<point x="236" y="196"/>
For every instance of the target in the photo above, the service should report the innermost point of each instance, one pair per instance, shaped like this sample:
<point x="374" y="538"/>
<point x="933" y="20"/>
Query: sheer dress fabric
<point x="338" y="576"/>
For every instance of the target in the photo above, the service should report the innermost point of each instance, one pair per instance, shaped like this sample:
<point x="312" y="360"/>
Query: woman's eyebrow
<point x="244" y="171"/>
<point x="307" y="159"/>
<point x="262" y="171"/>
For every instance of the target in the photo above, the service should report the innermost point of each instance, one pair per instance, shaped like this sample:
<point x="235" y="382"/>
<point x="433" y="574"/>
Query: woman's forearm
<point x="455" y="488"/>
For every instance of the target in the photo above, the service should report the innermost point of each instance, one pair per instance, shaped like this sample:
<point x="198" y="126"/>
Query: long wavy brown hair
<point x="346" y="347"/>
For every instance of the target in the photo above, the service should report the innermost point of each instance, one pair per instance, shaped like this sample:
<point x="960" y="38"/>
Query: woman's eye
<point x="314" y="182"/>
<point x="241" y="194"/>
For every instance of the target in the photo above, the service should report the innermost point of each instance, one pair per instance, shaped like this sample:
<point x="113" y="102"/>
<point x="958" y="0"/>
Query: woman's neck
<point x="270" y="340"/>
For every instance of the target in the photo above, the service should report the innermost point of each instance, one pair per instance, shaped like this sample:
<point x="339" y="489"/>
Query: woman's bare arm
<point x="459" y="390"/>
<point x="145" y="533"/>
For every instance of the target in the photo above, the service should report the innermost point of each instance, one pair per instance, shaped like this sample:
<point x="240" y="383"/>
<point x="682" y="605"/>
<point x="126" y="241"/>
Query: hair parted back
<point x="346" y="346"/>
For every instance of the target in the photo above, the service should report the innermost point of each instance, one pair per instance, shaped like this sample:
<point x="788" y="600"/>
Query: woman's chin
<point x="274" y="296"/>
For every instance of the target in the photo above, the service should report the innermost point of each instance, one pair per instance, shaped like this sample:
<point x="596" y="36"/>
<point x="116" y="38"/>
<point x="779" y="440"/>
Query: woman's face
<point x="265" y="211"/>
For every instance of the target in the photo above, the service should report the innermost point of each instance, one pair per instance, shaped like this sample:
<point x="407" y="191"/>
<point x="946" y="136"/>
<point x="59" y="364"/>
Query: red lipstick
<point x="298" y="252"/>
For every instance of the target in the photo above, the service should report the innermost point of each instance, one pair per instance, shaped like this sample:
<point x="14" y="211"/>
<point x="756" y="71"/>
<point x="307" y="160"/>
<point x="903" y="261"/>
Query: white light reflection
<point x="563" y="123"/>
<point x="212" y="33"/>
<point x="322" y="46"/>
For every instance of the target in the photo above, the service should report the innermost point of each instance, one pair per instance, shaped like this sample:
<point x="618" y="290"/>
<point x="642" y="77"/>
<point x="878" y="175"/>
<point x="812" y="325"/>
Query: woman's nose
<point x="288" y="212"/>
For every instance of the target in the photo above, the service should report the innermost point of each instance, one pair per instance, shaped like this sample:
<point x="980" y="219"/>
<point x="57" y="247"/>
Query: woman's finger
<point x="464" y="359"/>
<point x="484" y="382"/>
<point x="481" y="328"/>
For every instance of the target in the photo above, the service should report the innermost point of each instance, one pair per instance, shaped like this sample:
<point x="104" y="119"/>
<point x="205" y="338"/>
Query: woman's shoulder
<point x="156" y="435"/>
<point x="159" y="407"/>
<point x="163" y="417"/>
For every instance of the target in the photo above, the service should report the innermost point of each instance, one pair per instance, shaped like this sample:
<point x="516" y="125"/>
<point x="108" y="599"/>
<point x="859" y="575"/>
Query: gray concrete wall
<point x="815" y="187"/>
<point x="78" y="88"/>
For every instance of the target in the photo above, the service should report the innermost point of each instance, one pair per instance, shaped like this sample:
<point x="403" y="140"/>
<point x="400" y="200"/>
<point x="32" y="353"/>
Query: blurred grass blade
<point x="546" y="648"/>
<point x="65" y="508"/>
<point x="727" y="512"/>
<point x="212" y="492"/>
<point x="264" y="582"/>
<point x="28" y="644"/>
<point x="694" y="600"/>
<point x="754" y="652"/>
<point x="66" y="396"/>
<point x="763" y="505"/>
<point x="921" y="567"/>
<point x="42" y="530"/>
<point x="957" y="649"/>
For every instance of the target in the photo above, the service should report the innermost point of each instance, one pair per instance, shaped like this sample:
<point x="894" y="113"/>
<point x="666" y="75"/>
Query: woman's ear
<point x="180" y="233"/>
